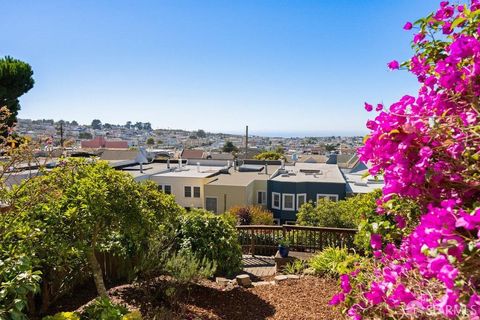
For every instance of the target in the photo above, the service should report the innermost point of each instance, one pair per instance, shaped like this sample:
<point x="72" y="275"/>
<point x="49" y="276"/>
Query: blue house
<point x="294" y="185"/>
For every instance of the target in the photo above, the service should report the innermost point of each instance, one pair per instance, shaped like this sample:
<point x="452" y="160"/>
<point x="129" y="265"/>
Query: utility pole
<point x="61" y="134"/>
<point x="246" y="142"/>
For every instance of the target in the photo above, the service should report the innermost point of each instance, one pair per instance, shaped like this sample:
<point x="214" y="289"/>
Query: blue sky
<point x="277" y="66"/>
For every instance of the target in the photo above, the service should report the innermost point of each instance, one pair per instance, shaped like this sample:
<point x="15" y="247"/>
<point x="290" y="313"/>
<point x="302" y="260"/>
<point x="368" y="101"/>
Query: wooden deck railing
<point x="263" y="239"/>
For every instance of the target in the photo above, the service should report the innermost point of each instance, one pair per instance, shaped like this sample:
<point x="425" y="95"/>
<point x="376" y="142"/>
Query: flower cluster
<point x="428" y="149"/>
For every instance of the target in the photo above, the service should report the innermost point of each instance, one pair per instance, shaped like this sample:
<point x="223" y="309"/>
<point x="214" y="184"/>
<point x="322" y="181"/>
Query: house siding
<point x="311" y="189"/>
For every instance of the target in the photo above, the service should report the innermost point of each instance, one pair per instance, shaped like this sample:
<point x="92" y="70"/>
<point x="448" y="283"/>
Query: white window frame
<point x="304" y="201"/>
<point x="276" y="221"/>
<point x="279" y="200"/>
<point x="264" y="197"/>
<point x="327" y="195"/>
<point x="199" y="192"/>
<point x="216" y="201"/>
<point x="191" y="191"/>
<point x="293" y="201"/>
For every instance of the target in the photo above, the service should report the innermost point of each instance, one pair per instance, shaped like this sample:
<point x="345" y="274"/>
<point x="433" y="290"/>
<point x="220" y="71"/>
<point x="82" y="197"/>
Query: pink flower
<point x="337" y="299"/>
<point x="418" y="37"/>
<point x="408" y="26"/>
<point x="379" y="107"/>
<point x="393" y="65"/>
<point x="376" y="241"/>
<point x="368" y="107"/>
<point x="345" y="283"/>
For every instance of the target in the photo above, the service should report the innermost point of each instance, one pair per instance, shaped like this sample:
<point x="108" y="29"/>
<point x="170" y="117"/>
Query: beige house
<point x="238" y="188"/>
<point x="187" y="183"/>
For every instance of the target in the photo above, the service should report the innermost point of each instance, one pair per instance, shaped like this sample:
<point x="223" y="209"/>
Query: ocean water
<point x="302" y="134"/>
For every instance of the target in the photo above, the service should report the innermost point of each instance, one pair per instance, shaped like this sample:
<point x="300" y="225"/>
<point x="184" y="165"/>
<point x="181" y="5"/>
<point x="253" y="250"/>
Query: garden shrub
<point x="247" y="215"/>
<point x="334" y="262"/>
<point x="103" y="308"/>
<point x="346" y="213"/>
<point x="261" y="216"/>
<point x="294" y="267"/>
<point x="60" y="218"/>
<point x="210" y="236"/>
<point x="427" y="148"/>
<point x="63" y="316"/>
<point x="17" y="281"/>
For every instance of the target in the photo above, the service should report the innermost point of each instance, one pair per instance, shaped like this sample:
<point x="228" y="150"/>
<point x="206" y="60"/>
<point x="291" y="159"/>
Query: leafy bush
<point x="59" y="219"/>
<point x="209" y="236"/>
<point x="103" y="308"/>
<point x="63" y="316"/>
<point x="294" y="267"/>
<point x="334" y="261"/>
<point x="269" y="155"/>
<point x="186" y="268"/>
<point x="17" y="281"/>
<point x="256" y="215"/>
<point x="337" y="214"/>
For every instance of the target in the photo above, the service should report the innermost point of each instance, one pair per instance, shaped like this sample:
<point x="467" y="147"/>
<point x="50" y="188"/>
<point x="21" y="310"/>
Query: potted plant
<point x="283" y="247"/>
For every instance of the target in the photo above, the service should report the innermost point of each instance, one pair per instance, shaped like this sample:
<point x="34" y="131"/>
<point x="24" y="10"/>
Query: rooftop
<point x="238" y="178"/>
<point x="148" y="169"/>
<point x="189" y="171"/>
<point x="311" y="172"/>
<point x="357" y="182"/>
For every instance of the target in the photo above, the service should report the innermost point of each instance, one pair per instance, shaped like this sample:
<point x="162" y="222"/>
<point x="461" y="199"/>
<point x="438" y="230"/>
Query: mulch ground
<point x="302" y="299"/>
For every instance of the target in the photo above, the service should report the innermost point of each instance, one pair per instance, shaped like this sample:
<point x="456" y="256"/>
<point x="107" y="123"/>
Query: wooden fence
<point x="263" y="239"/>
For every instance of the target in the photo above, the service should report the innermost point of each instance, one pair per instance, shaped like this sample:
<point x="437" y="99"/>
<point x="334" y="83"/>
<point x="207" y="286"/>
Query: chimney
<point x="228" y="163"/>
<point x="180" y="163"/>
<point x="168" y="163"/>
<point x="282" y="164"/>
<point x="198" y="166"/>
<point x="235" y="164"/>
<point x="266" y="167"/>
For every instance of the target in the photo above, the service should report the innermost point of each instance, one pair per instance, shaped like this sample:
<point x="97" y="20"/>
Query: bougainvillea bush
<point x="428" y="149"/>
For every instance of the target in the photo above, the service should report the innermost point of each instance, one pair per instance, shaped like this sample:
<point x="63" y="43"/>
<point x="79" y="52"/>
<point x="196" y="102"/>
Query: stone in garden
<point x="261" y="283"/>
<point x="244" y="280"/>
<point x="280" y="278"/>
<point x="293" y="276"/>
<point x="222" y="281"/>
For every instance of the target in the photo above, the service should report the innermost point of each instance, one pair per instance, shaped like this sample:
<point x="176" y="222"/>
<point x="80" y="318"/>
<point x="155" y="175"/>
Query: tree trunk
<point x="97" y="273"/>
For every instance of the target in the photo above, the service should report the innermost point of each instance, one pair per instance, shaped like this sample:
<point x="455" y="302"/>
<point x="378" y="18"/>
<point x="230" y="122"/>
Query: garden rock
<point x="244" y="280"/>
<point x="222" y="281"/>
<point x="280" y="278"/>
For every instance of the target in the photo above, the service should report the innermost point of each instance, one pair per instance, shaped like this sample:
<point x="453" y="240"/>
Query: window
<point x="290" y="222"/>
<point x="211" y="204"/>
<point x="331" y="197"/>
<point x="262" y="197"/>
<point x="275" y="200"/>
<point x="188" y="192"/>
<point x="276" y="221"/>
<point x="301" y="199"/>
<point x="167" y="189"/>
<point x="288" y="202"/>
<point x="196" y="192"/>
